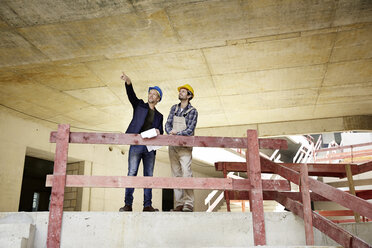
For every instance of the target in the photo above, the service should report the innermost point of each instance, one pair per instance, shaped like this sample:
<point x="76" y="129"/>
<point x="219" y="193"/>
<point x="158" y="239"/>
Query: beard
<point x="152" y="100"/>
<point x="181" y="98"/>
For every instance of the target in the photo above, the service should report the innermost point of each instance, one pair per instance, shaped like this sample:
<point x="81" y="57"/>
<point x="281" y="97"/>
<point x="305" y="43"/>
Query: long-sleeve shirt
<point x="191" y="119"/>
<point x="140" y="110"/>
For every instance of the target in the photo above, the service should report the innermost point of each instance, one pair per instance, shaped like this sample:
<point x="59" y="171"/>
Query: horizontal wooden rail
<point x="270" y="195"/>
<point x="365" y="167"/>
<point x="315" y="169"/>
<point x="364" y="194"/>
<point x="330" y="213"/>
<point x="342" y="147"/>
<point x="165" y="140"/>
<point x="360" y="182"/>
<point x="167" y="183"/>
<point x="350" y="220"/>
<point x="346" y="155"/>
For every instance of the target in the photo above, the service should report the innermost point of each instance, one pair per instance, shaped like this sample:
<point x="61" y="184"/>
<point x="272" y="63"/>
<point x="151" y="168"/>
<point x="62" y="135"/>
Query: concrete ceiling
<point x="250" y="62"/>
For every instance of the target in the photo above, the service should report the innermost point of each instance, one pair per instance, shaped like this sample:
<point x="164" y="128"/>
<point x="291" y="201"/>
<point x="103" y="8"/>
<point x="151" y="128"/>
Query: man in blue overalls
<point x="145" y="117"/>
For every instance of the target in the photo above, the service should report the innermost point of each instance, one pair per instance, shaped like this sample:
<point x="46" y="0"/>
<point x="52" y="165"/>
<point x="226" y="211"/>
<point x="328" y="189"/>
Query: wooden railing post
<point x="304" y="187"/>
<point x="345" y="199"/>
<point x="351" y="188"/>
<point x="332" y="230"/>
<point x="58" y="190"/>
<point x="255" y="194"/>
<point x="226" y="193"/>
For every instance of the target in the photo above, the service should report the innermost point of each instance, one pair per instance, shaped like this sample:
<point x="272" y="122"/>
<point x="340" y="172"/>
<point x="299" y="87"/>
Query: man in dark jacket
<point x="145" y="117"/>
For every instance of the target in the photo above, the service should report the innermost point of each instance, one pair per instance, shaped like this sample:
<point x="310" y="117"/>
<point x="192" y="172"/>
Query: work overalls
<point x="180" y="159"/>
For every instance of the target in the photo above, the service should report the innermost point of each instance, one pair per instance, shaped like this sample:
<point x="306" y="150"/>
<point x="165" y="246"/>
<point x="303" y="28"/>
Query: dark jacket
<point x="140" y="109"/>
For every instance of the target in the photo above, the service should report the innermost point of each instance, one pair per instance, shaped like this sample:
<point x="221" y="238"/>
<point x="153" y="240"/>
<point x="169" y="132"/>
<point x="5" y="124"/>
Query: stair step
<point x="17" y="231"/>
<point x="14" y="242"/>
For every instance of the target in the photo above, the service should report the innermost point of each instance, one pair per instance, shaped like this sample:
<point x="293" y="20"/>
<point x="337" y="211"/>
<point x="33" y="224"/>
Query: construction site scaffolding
<point x="258" y="189"/>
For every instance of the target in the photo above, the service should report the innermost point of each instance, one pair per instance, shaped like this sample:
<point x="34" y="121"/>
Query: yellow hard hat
<point x="187" y="87"/>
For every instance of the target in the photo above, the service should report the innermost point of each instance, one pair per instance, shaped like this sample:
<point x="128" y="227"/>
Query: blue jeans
<point x="136" y="153"/>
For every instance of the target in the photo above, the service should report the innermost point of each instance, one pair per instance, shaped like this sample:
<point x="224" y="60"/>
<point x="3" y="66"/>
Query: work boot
<point x="126" y="208"/>
<point x="177" y="209"/>
<point x="187" y="208"/>
<point x="150" y="209"/>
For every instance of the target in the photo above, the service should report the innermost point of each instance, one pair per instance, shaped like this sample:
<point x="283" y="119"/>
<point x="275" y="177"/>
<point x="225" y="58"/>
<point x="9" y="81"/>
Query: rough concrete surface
<point x="250" y="62"/>
<point x="108" y="229"/>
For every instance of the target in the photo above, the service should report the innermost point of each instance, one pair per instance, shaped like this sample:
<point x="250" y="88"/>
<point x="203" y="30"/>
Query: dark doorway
<point x="167" y="200"/>
<point x="34" y="195"/>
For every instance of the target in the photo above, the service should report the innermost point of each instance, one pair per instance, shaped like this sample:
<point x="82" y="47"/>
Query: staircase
<point x="17" y="231"/>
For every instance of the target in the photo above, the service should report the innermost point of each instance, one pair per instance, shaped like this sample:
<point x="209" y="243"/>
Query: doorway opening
<point x="34" y="195"/>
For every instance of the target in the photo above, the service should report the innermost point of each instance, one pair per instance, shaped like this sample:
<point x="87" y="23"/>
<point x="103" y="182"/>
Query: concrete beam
<point x="346" y="123"/>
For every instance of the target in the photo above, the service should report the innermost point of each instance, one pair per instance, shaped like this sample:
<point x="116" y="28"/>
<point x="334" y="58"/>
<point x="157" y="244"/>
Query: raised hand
<point x="126" y="78"/>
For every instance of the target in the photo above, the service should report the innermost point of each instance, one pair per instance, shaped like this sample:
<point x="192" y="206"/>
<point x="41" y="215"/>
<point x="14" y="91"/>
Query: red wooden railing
<point x="254" y="184"/>
<point x="299" y="202"/>
<point x="341" y="213"/>
<point x="364" y="154"/>
<point x="257" y="189"/>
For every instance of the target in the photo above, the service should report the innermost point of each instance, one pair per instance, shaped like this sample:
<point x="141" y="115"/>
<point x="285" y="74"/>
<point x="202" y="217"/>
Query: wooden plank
<point x="347" y="200"/>
<point x="346" y="155"/>
<point x="269" y="195"/>
<point x="243" y="195"/>
<point x="329" y="213"/>
<point x="58" y="190"/>
<point x="287" y="173"/>
<point x="364" y="194"/>
<point x="364" y="167"/>
<point x="281" y="185"/>
<point x="225" y="192"/>
<point x="315" y="169"/>
<point x="255" y="194"/>
<point x="273" y="144"/>
<point x="165" y="140"/>
<point x="166" y="183"/>
<point x="351" y="188"/>
<point x="343" y="147"/>
<point x="360" y="182"/>
<point x="345" y="221"/>
<point x="332" y="230"/>
<point x="231" y="166"/>
<point x="306" y="202"/>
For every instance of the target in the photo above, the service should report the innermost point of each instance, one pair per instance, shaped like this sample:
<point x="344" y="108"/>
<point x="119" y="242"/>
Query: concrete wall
<point x="97" y="229"/>
<point x="20" y="137"/>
